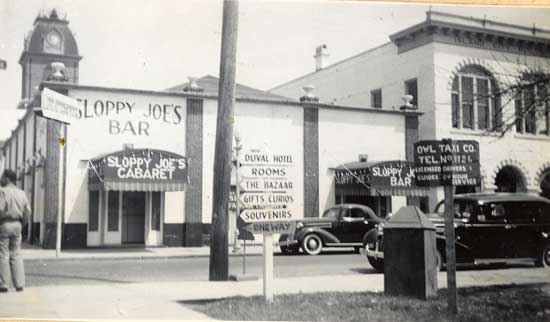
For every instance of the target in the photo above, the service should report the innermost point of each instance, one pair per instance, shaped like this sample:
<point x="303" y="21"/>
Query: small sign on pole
<point x="268" y="203"/>
<point x="59" y="107"/>
<point x="448" y="163"/>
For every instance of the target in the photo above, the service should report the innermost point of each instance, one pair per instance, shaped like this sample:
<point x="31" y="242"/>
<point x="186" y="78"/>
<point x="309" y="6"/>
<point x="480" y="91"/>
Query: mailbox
<point x="410" y="260"/>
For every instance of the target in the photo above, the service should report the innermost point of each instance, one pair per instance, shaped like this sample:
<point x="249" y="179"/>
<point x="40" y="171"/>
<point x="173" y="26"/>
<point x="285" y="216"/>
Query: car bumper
<point x="372" y="251"/>
<point x="287" y="242"/>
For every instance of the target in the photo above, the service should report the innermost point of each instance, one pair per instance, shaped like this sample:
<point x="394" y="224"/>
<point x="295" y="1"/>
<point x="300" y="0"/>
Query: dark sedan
<point x="489" y="227"/>
<point x="343" y="225"/>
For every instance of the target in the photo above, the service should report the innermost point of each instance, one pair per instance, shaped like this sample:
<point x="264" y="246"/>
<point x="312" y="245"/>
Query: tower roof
<point x="43" y="25"/>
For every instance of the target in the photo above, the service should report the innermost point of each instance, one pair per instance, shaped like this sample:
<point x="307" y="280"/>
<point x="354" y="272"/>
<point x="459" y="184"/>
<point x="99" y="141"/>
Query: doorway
<point x="133" y="217"/>
<point x="510" y="179"/>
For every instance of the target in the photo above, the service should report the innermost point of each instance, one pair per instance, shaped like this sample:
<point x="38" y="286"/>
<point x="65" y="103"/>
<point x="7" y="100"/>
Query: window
<point x="112" y="220"/>
<point x="356" y="213"/>
<point x="475" y="100"/>
<point x="411" y="88"/>
<point x="532" y="105"/>
<point x="376" y="98"/>
<point x="93" y="220"/>
<point x="332" y="213"/>
<point x="156" y="211"/>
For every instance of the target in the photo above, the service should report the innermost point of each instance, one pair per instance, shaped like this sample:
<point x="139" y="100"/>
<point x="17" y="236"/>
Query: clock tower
<point x="50" y="41"/>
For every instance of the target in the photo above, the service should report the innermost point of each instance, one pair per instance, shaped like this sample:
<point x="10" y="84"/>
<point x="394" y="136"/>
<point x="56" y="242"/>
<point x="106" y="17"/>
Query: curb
<point x="136" y="257"/>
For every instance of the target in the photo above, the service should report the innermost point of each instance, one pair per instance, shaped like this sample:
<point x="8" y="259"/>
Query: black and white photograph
<point x="270" y="160"/>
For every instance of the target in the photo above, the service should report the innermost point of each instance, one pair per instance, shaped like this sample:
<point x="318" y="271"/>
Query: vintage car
<point x="489" y="227"/>
<point x="343" y="225"/>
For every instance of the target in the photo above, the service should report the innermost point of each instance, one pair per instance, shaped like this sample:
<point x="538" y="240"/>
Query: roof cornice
<point x="25" y="53"/>
<point x="473" y="32"/>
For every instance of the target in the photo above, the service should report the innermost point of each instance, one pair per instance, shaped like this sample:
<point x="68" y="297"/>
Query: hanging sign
<point x="268" y="192"/>
<point x="392" y="174"/>
<point x="140" y="165"/>
<point x="58" y="106"/>
<point x="440" y="163"/>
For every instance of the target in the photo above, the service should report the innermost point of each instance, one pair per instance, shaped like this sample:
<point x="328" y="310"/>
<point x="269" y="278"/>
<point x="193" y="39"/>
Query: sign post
<point x="267" y="198"/>
<point x="63" y="109"/>
<point x="448" y="163"/>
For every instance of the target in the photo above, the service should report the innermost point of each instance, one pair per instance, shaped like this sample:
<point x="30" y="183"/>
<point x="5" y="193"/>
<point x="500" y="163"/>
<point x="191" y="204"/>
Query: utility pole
<point x="219" y="261"/>
<point x="450" y="248"/>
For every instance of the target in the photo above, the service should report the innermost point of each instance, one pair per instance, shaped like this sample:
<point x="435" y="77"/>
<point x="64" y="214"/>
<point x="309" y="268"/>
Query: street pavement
<point x="155" y="300"/>
<point x="66" y="272"/>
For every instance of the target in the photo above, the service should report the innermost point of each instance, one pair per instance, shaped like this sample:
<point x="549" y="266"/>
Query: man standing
<point x="14" y="212"/>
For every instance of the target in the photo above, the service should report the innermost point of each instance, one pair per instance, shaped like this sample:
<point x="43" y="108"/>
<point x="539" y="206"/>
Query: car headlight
<point x="299" y="225"/>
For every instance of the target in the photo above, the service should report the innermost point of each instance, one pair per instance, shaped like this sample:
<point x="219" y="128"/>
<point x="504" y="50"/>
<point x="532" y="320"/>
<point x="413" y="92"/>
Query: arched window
<point x="532" y="104"/>
<point x="475" y="100"/>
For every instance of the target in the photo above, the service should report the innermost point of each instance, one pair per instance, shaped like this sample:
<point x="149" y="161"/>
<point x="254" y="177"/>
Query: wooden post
<point x="268" y="267"/>
<point x="61" y="179"/>
<point x="219" y="266"/>
<point x="450" y="239"/>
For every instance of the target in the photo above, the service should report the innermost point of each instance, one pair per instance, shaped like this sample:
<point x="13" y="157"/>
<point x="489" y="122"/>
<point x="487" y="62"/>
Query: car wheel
<point x="544" y="258"/>
<point x="312" y="244"/>
<point x="376" y="263"/>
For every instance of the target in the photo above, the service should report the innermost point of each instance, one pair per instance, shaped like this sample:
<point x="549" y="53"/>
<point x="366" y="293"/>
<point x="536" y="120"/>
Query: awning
<point x="381" y="178"/>
<point x="138" y="170"/>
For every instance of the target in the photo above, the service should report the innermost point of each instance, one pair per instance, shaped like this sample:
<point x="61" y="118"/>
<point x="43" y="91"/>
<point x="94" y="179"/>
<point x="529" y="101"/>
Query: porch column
<point x="311" y="152"/>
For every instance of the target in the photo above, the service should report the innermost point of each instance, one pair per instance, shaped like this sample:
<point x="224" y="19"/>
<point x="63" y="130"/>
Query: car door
<point x="335" y="227"/>
<point x="464" y="218"/>
<point x="491" y="231"/>
<point x="523" y="229"/>
<point x="354" y="225"/>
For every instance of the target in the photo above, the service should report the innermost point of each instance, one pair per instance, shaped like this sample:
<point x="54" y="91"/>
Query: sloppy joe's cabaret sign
<point x="135" y="165"/>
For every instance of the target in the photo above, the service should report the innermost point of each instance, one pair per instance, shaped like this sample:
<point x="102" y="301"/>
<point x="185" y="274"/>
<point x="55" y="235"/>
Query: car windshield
<point x="462" y="209"/>
<point x="332" y="213"/>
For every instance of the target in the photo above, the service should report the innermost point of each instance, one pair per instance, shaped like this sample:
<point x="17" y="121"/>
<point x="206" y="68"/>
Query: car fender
<point x="371" y="236"/>
<point x="325" y="235"/>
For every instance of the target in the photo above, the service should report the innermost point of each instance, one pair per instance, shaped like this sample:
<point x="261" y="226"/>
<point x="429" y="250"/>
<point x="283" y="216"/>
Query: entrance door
<point x="133" y="217"/>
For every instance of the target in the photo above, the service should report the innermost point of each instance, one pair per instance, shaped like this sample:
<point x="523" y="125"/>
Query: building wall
<point x="97" y="134"/>
<point x="37" y="69"/>
<point x="273" y="128"/>
<point x="528" y="153"/>
<point x="351" y="81"/>
<point x="344" y="134"/>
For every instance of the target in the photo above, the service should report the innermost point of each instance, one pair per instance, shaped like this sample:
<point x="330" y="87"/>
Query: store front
<point x="126" y="195"/>
<point x="374" y="184"/>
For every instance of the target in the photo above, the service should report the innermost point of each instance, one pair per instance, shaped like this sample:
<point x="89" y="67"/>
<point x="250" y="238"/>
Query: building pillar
<point x="193" y="226"/>
<point x="311" y="153"/>
<point x="51" y="183"/>
<point x="411" y="136"/>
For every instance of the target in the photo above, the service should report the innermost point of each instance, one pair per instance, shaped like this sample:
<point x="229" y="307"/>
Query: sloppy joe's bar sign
<point x="387" y="174"/>
<point x="131" y="117"/>
<point x="140" y="165"/>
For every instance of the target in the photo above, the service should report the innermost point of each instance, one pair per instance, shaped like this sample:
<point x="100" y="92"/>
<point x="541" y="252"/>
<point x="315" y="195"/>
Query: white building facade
<point x="102" y="174"/>
<point x="466" y="77"/>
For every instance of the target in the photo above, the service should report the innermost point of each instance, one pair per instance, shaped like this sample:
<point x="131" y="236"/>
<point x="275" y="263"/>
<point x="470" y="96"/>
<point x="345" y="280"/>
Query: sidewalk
<point x="166" y="300"/>
<point x="31" y="253"/>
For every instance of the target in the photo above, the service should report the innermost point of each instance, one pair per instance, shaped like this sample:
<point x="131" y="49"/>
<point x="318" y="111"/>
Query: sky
<point x="158" y="44"/>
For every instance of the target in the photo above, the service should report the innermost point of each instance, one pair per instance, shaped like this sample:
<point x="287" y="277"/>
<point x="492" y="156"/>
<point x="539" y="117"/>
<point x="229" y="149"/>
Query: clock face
<point x="53" y="39"/>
